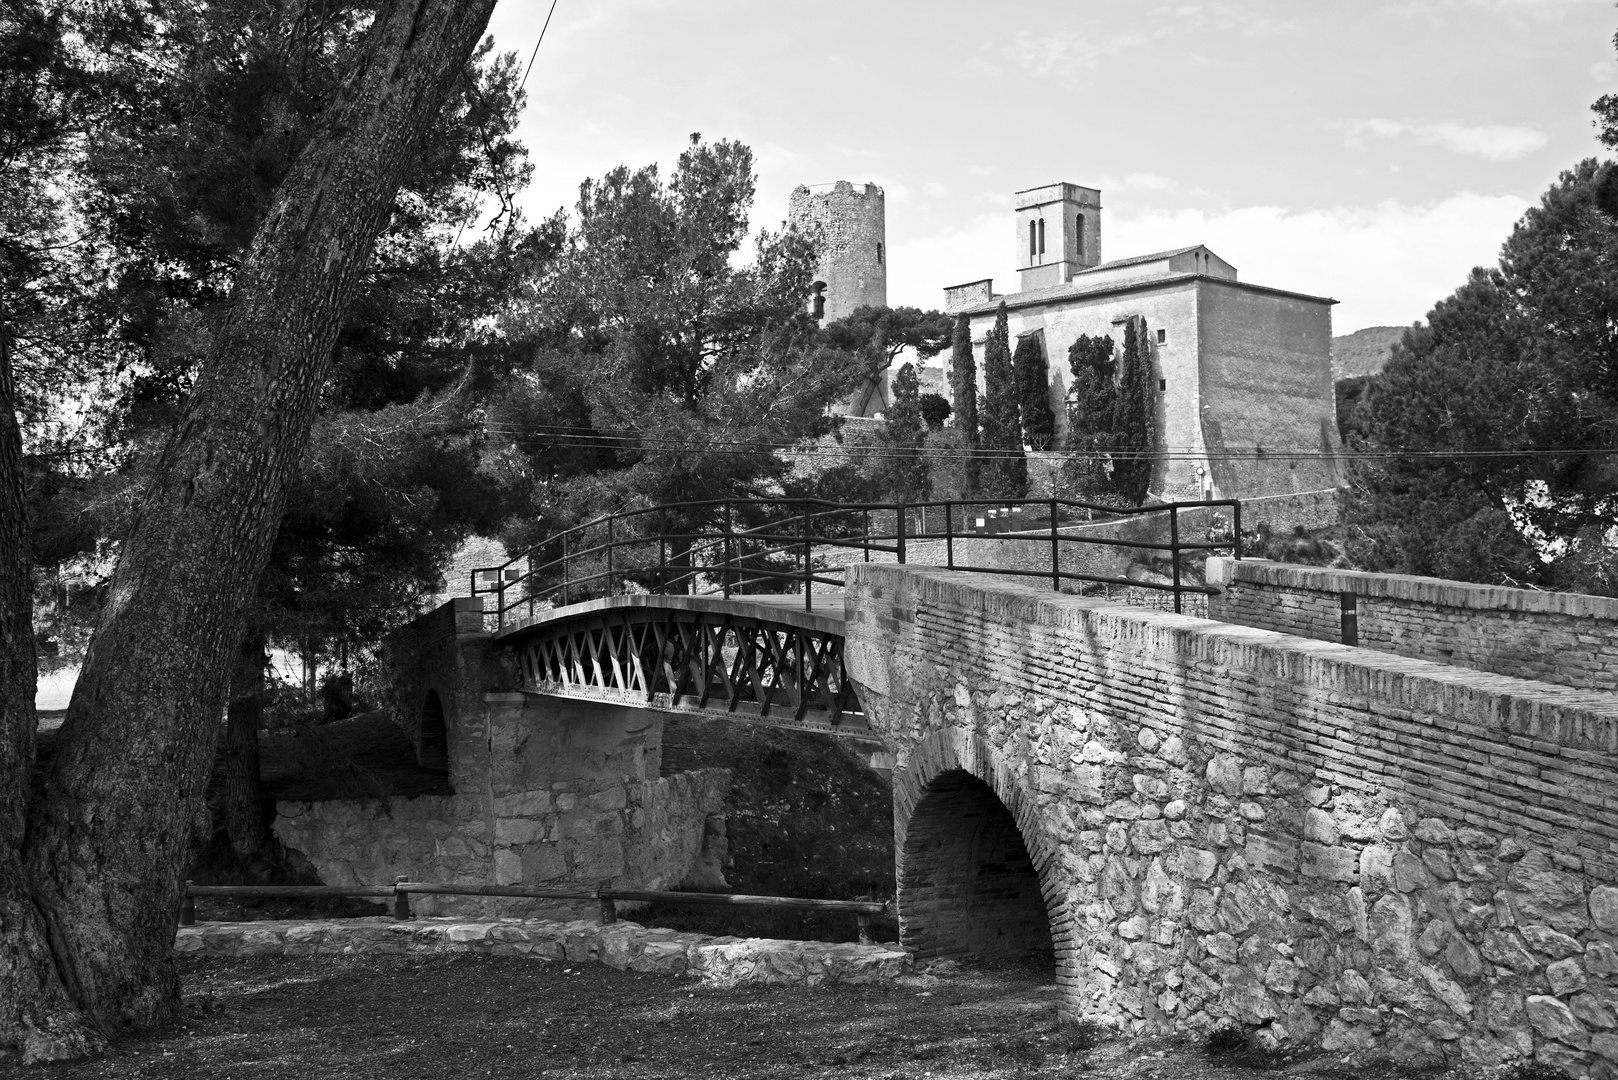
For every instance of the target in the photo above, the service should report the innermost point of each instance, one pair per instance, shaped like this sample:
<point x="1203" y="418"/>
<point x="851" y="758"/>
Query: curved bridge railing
<point x="754" y="547"/>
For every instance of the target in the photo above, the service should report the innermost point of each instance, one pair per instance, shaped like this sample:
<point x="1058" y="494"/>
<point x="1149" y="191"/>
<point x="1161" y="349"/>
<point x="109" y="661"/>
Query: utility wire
<point x="537" y="44"/>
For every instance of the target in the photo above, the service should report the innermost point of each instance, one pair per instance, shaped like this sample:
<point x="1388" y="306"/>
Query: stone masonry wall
<point x="1350" y="849"/>
<point x="1566" y="638"/>
<point x="654" y="834"/>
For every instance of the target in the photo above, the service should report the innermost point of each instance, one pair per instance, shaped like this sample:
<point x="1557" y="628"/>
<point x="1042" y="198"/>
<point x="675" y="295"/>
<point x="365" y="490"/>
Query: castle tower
<point x="1058" y="233"/>
<point x="851" y="221"/>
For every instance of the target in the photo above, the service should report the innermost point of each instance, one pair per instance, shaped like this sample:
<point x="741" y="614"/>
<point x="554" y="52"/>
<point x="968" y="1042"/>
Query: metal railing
<point x="731" y="547"/>
<point x="864" y="911"/>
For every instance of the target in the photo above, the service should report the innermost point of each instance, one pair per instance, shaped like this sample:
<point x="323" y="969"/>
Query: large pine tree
<point x="1092" y="407"/>
<point x="904" y="464"/>
<point x="1005" y="468"/>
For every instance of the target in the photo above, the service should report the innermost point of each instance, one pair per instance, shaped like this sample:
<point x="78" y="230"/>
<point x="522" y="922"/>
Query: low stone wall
<point x="718" y="961"/>
<point x="648" y="834"/>
<point x="1566" y="638"/>
<point x="1345" y="848"/>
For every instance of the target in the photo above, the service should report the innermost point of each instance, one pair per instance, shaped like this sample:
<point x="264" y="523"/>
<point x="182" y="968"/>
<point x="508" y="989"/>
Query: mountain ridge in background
<point x="1364" y="352"/>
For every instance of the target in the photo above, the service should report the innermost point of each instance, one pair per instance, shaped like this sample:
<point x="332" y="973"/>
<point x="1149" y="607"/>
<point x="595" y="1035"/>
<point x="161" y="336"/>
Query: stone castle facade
<point x="1245" y="398"/>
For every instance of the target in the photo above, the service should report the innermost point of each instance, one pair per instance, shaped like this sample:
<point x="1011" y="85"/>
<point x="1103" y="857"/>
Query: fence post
<point x="903" y="508"/>
<point x="567" y="581"/>
<point x="609" y="911"/>
<point x="724" y="571"/>
<point x="808" y="581"/>
<point x="609" y="556"/>
<point x="865" y="545"/>
<point x="500" y="600"/>
<point x="188" y="907"/>
<point x="949" y="535"/>
<point x="662" y="561"/>
<point x="1056" y="552"/>
<point x="1237" y="517"/>
<point x="401" y="900"/>
<point x="1174" y="552"/>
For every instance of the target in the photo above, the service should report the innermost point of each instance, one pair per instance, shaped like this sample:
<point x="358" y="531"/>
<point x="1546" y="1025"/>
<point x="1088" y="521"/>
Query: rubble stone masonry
<point x="1350" y="849"/>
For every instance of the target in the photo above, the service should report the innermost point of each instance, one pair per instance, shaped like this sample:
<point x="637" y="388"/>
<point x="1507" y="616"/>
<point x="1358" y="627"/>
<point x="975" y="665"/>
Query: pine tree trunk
<point x="250" y="837"/>
<point x="38" y="1017"/>
<point x="106" y="843"/>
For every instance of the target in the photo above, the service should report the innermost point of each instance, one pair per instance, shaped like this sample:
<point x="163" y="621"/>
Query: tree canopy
<point x="1487" y="437"/>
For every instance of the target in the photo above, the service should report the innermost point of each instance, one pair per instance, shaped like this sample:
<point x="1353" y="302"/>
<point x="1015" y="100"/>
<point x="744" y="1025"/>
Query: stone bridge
<point x="1200" y="822"/>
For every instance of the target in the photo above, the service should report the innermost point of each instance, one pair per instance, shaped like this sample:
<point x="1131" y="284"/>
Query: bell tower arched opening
<point x="967" y="885"/>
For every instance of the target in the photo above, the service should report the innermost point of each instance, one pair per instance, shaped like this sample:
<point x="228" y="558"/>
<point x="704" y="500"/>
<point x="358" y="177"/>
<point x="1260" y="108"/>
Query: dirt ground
<point x="406" y="1017"/>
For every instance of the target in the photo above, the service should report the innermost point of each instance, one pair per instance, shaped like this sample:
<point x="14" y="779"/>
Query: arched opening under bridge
<point x="432" y="750"/>
<point x="967" y="885"/>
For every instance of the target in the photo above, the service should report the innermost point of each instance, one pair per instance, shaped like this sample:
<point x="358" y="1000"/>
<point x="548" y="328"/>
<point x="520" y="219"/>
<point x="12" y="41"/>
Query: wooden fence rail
<point x="863" y="910"/>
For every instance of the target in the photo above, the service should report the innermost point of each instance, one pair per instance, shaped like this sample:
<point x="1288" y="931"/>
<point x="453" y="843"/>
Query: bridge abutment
<point x="1337" y="847"/>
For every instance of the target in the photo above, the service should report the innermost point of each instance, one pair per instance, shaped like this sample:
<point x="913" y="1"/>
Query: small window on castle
<point x="1162" y="385"/>
<point x="1042" y="236"/>
<point x="1033" y="241"/>
<point x="1078" y="233"/>
<point x="1162" y="337"/>
<point x="879" y="253"/>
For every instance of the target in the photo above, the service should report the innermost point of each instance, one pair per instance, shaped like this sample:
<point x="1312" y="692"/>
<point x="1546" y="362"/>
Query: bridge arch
<point x="975" y="865"/>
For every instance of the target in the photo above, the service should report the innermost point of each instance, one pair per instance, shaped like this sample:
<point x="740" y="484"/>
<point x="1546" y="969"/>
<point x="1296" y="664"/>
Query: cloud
<point x="1387" y="264"/>
<point x="1497" y="142"/>
<point x="1044" y="53"/>
<point x="1141" y="181"/>
<point x="1603" y="71"/>
<point x="935" y="189"/>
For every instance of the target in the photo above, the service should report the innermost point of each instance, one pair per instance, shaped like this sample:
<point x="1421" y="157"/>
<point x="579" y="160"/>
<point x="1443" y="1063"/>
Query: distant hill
<point x="1363" y="352"/>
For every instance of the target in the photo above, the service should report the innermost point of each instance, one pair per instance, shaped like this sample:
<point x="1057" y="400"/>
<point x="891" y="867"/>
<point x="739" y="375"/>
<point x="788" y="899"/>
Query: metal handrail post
<point x="1174" y="553"/>
<point x="903" y="508"/>
<point x="1238" y="526"/>
<point x="724" y="571"/>
<point x="1056" y="552"/>
<point x="865" y="540"/>
<point x="808" y="578"/>
<point x="949" y="535"/>
<point x="610" y="591"/>
<point x="567" y="581"/>
<point x="500" y="601"/>
<point x="662" y="561"/>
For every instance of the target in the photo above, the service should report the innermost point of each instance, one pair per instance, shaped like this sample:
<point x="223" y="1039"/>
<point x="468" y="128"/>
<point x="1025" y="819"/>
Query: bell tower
<point x="1058" y="233"/>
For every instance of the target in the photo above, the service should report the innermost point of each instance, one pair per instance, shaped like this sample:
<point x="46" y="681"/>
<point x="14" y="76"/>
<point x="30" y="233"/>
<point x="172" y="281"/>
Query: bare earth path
<point x="407" y="1017"/>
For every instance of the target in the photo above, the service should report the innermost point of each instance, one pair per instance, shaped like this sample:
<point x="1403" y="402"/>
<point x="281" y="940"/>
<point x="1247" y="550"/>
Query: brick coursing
<point x="1566" y="638"/>
<point x="1349" y="849"/>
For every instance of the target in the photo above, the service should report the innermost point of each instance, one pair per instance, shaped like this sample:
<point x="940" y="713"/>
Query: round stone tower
<point x="851" y="222"/>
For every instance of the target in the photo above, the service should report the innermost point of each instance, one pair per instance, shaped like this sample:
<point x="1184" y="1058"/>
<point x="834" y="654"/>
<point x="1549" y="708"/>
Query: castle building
<point x="1245" y="403"/>
<point x="850" y="223"/>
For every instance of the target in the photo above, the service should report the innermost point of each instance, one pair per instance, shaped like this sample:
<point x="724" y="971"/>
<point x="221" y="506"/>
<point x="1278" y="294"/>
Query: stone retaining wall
<point x="1346" y="848"/>
<point x="1566" y="638"/>
<point x="719" y="961"/>
<point x="649" y="834"/>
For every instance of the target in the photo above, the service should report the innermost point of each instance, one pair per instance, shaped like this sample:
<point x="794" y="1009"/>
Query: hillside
<point x="1363" y="352"/>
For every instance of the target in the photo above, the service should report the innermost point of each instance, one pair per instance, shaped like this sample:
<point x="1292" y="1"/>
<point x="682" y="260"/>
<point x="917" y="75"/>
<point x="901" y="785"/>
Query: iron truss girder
<point x="694" y="661"/>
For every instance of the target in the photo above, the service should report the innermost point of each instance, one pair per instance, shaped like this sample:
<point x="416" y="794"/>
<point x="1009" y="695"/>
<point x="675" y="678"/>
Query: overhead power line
<point x="537" y="44"/>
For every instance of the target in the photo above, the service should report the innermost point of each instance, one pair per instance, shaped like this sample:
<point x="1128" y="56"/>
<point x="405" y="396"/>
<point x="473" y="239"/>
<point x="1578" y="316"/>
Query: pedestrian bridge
<point x="1411" y="848"/>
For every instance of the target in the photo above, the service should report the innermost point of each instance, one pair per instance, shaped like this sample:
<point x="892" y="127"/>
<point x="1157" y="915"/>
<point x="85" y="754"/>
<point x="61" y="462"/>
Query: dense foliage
<point x="904" y="461"/>
<point x="657" y="370"/>
<point x="1004" y="472"/>
<point x="1112" y="428"/>
<point x="1034" y="391"/>
<point x="1488" y="436"/>
<point x="963" y="386"/>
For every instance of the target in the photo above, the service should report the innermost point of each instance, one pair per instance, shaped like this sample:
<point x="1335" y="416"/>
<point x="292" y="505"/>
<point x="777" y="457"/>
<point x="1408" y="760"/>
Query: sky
<point x="1370" y="152"/>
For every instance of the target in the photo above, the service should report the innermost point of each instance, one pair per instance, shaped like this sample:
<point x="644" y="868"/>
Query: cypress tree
<point x="1005" y="472"/>
<point x="963" y="384"/>
<point x="1092" y="409"/>
<point x="1136" y="422"/>
<point x="1033" y="391"/>
<point x="904" y="467"/>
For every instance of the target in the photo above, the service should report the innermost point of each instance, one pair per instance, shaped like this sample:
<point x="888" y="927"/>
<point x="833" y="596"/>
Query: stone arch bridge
<point x="1405" y="845"/>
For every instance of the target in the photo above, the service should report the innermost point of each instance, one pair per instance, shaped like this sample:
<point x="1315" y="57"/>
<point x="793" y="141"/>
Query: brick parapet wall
<point x="1349" y="849"/>
<point x="1565" y="638"/>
